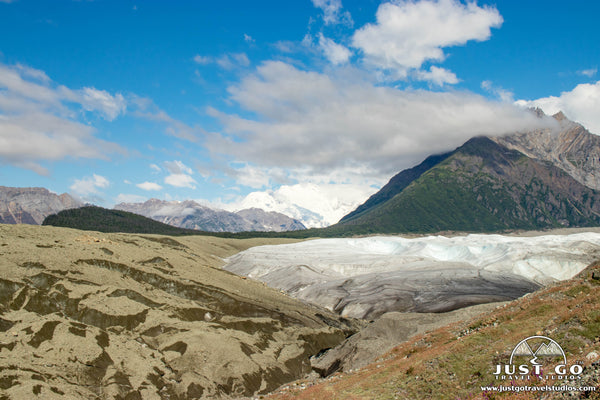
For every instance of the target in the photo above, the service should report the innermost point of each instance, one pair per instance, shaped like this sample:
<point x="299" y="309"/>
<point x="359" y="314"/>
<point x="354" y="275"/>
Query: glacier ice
<point x="366" y="277"/>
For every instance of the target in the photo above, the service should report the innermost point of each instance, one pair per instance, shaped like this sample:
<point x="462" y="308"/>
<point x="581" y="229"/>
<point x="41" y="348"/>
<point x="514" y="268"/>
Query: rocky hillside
<point x="570" y="147"/>
<point x="481" y="186"/>
<point x="191" y="215"/>
<point x="125" y="316"/>
<point x="31" y="205"/>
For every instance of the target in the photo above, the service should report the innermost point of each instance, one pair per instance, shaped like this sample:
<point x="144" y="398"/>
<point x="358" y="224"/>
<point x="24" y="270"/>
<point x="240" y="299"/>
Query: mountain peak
<point x="560" y="116"/>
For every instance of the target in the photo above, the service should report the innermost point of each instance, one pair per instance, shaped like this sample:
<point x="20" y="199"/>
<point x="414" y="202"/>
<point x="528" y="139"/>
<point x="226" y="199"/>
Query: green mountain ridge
<point x="481" y="186"/>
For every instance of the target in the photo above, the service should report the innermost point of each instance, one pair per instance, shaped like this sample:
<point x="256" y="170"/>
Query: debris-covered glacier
<point x="366" y="277"/>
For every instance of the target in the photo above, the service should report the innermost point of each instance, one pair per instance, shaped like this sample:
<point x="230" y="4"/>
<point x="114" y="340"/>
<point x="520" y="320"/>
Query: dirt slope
<point x="88" y="315"/>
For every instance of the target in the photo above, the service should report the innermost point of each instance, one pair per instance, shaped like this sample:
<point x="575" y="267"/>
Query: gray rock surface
<point x="569" y="146"/>
<point x="31" y="205"/>
<point x="386" y="332"/>
<point x="191" y="215"/>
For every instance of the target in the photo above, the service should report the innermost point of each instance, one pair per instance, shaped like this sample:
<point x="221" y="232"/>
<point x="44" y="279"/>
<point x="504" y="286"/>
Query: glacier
<point x="366" y="277"/>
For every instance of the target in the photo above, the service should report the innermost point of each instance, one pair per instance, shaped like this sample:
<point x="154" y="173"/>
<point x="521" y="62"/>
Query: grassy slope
<point x="396" y="185"/>
<point x="455" y="361"/>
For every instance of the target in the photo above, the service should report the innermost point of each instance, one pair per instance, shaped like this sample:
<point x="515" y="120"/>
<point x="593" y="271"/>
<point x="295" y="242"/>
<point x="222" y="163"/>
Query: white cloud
<point x="500" y="93"/>
<point x="408" y="33"/>
<point x="588" y="72"/>
<point x="89" y="185"/>
<point x="248" y="38"/>
<point x="179" y="175"/>
<point x="37" y="122"/>
<point x="202" y="60"/>
<point x="332" y="12"/>
<point x="311" y="122"/>
<point x="100" y="100"/>
<point x="32" y="73"/>
<point x="438" y="76"/>
<point x="155" y="168"/>
<point x="149" y="186"/>
<point x="177" y="167"/>
<point x="335" y="53"/>
<point x="180" y="181"/>
<point x="580" y="104"/>
<point x="233" y="60"/>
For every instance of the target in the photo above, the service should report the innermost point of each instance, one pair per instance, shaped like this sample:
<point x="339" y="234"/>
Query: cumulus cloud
<point x="580" y="104"/>
<point x="311" y="122"/>
<point x="438" y="76"/>
<point x="38" y="123"/>
<point x="335" y="53"/>
<point x="180" y="175"/>
<point x="149" y="186"/>
<point x="100" y="100"/>
<point x="181" y="181"/>
<point x="332" y="12"/>
<point x="89" y="185"/>
<point x="409" y="33"/>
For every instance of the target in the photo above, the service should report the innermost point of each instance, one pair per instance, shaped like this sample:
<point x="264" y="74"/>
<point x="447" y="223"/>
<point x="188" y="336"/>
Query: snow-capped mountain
<point x="316" y="206"/>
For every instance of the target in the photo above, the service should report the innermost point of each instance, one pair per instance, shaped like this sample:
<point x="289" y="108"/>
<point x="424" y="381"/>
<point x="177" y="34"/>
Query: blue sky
<point x="323" y="99"/>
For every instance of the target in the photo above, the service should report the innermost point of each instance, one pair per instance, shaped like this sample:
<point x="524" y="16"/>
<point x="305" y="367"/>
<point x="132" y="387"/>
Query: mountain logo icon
<point x="544" y="347"/>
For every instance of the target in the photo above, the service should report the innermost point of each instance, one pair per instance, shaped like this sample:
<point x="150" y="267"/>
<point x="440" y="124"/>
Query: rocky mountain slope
<point x="569" y="146"/>
<point x="481" y="186"/>
<point x="125" y="316"/>
<point x="191" y="215"/>
<point x="31" y="205"/>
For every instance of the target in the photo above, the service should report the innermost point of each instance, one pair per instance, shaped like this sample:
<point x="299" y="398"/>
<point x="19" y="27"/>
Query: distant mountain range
<point x="535" y="180"/>
<point x="191" y="215"/>
<point x="31" y="205"/>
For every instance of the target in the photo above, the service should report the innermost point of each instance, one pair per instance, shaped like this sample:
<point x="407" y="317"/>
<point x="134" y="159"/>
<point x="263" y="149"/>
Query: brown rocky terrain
<point x="87" y="315"/>
<point x="31" y="205"/>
